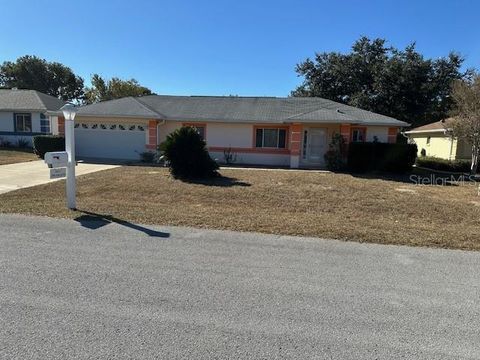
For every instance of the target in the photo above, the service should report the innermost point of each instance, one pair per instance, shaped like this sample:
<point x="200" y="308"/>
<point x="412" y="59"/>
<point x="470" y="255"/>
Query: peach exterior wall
<point x="241" y="136"/>
<point x="223" y="135"/>
<point x="381" y="132"/>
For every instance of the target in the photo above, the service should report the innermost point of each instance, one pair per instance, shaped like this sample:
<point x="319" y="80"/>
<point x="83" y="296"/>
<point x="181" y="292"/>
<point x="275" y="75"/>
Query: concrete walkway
<point x="31" y="173"/>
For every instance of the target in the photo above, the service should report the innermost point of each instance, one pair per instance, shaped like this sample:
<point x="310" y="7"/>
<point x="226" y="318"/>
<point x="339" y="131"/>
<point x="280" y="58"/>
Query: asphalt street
<point x="98" y="290"/>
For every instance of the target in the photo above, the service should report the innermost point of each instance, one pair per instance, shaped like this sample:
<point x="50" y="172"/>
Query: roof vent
<point x="340" y="111"/>
<point x="14" y="88"/>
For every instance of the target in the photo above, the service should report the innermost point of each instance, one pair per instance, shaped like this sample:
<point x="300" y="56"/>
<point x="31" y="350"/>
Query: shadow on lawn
<point x="95" y="221"/>
<point x="220" y="181"/>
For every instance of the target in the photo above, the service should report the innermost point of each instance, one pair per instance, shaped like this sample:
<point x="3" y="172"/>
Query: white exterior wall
<point x="6" y="121"/>
<point x="255" y="159"/>
<point x="54" y="125"/>
<point x="230" y="135"/>
<point x="7" y="126"/>
<point x="381" y="132"/>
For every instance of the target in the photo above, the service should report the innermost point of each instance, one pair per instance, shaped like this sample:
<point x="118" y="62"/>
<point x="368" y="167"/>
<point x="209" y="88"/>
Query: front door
<point x="317" y="145"/>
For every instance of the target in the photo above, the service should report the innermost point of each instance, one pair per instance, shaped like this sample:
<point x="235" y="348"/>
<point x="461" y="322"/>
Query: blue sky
<point x="225" y="47"/>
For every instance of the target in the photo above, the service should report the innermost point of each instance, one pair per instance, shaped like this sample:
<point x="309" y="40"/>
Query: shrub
<point x="23" y="143"/>
<point x="5" y="143"/>
<point x="229" y="156"/>
<point x="444" y="165"/>
<point x="375" y="156"/>
<point x="187" y="155"/>
<point x="147" y="157"/>
<point x="47" y="143"/>
<point x="335" y="156"/>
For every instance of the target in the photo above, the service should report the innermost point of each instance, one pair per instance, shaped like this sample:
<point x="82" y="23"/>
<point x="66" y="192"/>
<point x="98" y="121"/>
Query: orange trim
<point x="250" y="150"/>
<point x="152" y="135"/>
<point x="270" y="150"/>
<point x="392" y="135"/>
<point x="296" y="139"/>
<point x="345" y="132"/>
<point x="195" y="125"/>
<point x="61" y="125"/>
<point x="362" y="128"/>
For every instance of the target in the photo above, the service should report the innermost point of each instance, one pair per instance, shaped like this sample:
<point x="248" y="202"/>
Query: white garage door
<point x="109" y="141"/>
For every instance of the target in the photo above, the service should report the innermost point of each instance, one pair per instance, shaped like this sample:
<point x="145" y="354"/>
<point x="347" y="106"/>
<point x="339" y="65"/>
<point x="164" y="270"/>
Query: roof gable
<point x="28" y="100"/>
<point x="442" y="125"/>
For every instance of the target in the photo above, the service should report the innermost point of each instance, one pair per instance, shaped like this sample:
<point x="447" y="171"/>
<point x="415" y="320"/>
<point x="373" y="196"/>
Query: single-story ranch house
<point x="437" y="140"/>
<point x="23" y="114"/>
<point x="292" y="132"/>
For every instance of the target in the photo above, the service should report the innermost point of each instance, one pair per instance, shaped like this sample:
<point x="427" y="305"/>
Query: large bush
<point x="444" y="165"/>
<point x="187" y="155"/>
<point x="47" y="143"/>
<point x="375" y="156"/>
<point x="335" y="156"/>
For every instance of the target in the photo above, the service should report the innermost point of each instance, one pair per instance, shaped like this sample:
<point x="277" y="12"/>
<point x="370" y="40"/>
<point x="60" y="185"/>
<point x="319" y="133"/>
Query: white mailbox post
<point x="69" y="113"/>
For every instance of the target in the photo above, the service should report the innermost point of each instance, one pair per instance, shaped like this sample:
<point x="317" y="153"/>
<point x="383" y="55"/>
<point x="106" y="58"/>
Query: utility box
<point x="56" y="159"/>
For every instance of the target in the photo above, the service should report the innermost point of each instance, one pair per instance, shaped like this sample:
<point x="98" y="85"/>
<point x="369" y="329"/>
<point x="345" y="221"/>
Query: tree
<point x="52" y="78"/>
<point x="114" y="88"/>
<point x="466" y="124"/>
<point x="187" y="155"/>
<point x="398" y="83"/>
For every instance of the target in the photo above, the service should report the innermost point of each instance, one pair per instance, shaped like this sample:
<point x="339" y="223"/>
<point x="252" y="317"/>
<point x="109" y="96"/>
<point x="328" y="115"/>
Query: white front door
<point x="316" y="145"/>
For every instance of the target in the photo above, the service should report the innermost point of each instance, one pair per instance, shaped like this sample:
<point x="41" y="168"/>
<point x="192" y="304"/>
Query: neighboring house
<point x="437" y="140"/>
<point x="23" y="114"/>
<point x="291" y="132"/>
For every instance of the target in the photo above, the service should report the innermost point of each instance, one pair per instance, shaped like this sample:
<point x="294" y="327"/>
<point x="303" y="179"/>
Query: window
<point x="271" y="138"/>
<point x="428" y="140"/>
<point x="23" y="122"/>
<point x="44" y="124"/>
<point x="358" y="135"/>
<point x="305" y="139"/>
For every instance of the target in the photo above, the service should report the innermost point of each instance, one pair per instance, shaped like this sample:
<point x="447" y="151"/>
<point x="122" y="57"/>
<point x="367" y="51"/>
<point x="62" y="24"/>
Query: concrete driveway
<point x="26" y="174"/>
<point x="99" y="290"/>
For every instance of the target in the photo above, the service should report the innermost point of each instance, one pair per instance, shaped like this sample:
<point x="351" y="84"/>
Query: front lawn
<point x="13" y="155"/>
<point x="327" y="205"/>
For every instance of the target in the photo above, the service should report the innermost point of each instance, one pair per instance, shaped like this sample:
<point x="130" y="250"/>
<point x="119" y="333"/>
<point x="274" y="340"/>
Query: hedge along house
<point x="23" y="114"/>
<point x="437" y="140"/>
<point x="286" y="132"/>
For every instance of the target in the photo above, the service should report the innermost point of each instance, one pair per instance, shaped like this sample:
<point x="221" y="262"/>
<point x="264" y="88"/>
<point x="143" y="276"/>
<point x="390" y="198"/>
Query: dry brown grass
<point x="338" y="206"/>
<point x="12" y="156"/>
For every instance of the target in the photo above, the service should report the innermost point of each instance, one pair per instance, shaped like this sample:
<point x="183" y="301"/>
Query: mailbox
<point x="56" y="159"/>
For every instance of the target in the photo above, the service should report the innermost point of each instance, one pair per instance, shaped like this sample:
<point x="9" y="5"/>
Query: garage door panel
<point x="109" y="141"/>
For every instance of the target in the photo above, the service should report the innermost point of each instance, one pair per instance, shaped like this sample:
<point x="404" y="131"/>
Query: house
<point x="23" y="114"/>
<point x="288" y="132"/>
<point x="437" y="140"/>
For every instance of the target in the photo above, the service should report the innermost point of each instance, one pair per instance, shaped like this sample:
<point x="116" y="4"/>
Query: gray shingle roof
<point x="124" y="107"/>
<point x="238" y="109"/>
<point x="28" y="100"/>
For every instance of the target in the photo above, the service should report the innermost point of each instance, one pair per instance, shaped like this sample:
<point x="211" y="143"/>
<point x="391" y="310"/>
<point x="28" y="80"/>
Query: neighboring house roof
<point x="237" y="109"/>
<point x="28" y="100"/>
<point x="438" y="126"/>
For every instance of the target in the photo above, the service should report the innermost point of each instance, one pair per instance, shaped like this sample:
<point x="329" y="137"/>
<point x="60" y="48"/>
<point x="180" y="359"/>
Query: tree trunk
<point x="475" y="156"/>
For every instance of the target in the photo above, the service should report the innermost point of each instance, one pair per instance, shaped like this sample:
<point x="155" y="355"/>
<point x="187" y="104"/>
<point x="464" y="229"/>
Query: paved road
<point x="31" y="173"/>
<point x="83" y="290"/>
